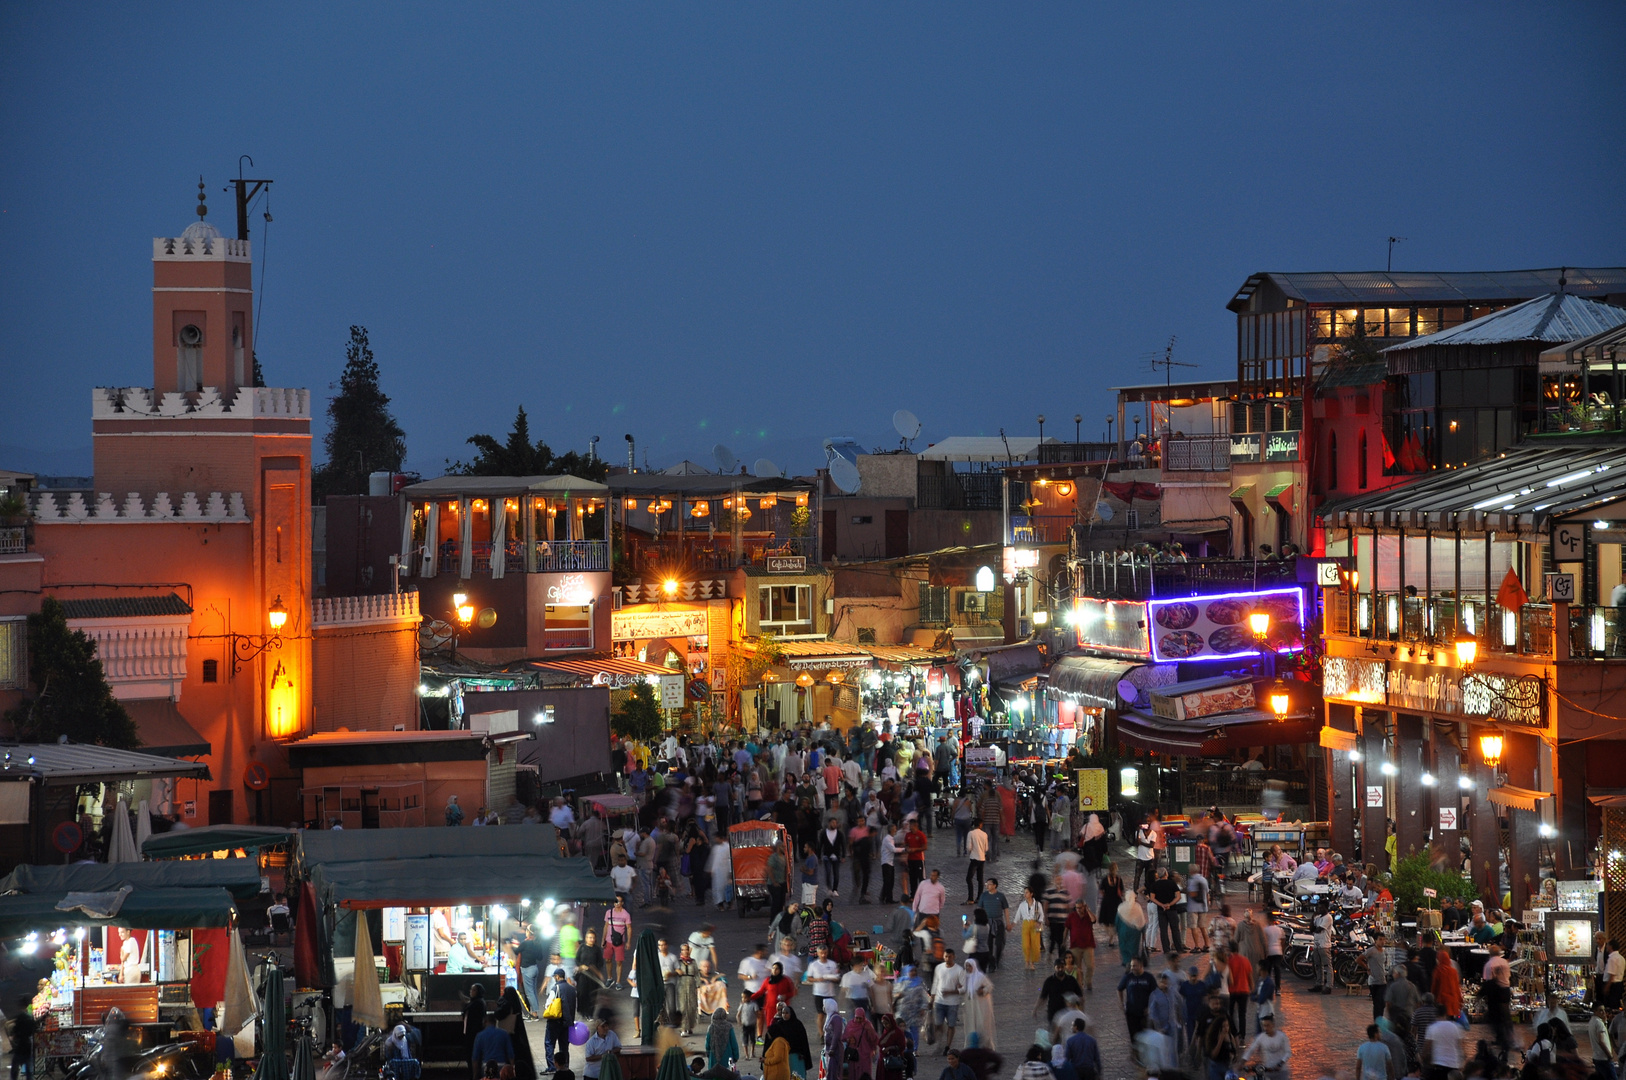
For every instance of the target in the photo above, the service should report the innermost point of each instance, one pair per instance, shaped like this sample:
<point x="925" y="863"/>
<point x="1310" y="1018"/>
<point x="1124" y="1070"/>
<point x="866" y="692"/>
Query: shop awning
<point x="358" y="845"/>
<point x="1091" y="678"/>
<point x="903" y="655"/>
<point x="239" y="877"/>
<point x="1160" y="736"/>
<point x="1335" y="739"/>
<point x="143" y="909"/>
<point x="1281" y="495"/>
<point x="164" y="730"/>
<point x="1517" y="798"/>
<point x="1212" y="734"/>
<point x="1241" y="494"/>
<point x="1012" y="663"/>
<point x="802" y="655"/>
<point x="447" y="881"/>
<point x="611" y="671"/>
<point x="210" y="838"/>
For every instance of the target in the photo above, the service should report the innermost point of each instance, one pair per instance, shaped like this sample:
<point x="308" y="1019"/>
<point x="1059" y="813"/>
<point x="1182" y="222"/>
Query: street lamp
<point x="670" y="586"/>
<point x="245" y="647"/>
<point x="1041" y="617"/>
<point x="1279" y="698"/>
<point x="278" y="615"/>
<point x="1259" y="623"/>
<point x="1490" y="749"/>
<point x="1467" y="648"/>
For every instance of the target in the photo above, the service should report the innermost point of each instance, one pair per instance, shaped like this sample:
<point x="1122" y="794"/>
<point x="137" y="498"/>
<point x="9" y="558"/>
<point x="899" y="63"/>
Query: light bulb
<point x="1465" y="783"/>
<point x="1428" y="780"/>
<point x="1388" y="768"/>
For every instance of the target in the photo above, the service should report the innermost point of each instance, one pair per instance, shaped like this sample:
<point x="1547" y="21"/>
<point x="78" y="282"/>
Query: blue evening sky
<point x="766" y="224"/>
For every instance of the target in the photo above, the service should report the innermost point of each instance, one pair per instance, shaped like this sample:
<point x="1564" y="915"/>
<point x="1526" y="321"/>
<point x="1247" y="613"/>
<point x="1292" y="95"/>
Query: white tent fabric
<point x="239" y="1006"/>
<point x="143" y="830"/>
<point x="123" y="847"/>
<point x="499" y="537"/>
<point x="465" y="539"/>
<point x="366" y="1001"/>
<point x="431" y="542"/>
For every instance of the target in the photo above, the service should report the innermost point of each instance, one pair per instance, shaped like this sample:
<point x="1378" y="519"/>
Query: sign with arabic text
<point x="1282" y="446"/>
<point x="642" y="625"/>
<point x="1245" y="447"/>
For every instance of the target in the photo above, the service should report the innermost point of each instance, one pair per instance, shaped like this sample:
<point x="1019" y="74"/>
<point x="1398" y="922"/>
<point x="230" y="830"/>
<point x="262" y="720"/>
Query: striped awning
<point x="1517" y="798"/>
<point x="612" y="671"/>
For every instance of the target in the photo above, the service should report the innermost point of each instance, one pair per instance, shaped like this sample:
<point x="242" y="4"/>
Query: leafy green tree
<point x="639" y="718"/>
<point x="70" y="693"/>
<point x="517" y="455"/>
<point x="362" y="435"/>
<point x="1416" y="872"/>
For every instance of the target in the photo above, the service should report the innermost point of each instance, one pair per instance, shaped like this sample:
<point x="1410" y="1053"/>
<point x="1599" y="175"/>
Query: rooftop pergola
<point x="673" y="523"/>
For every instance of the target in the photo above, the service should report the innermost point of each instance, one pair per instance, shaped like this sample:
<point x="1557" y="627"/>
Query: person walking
<point x="991" y="813"/>
<point x="1197" y="907"/>
<point x="914" y="843"/>
<point x="1111" y="891"/>
<point x="1057" y="907"/>
<point x="1131" y="927"/>
<point x="1029" y="924"/>
<point x="1165" y="894"/>
<point x="1271" y="1049"/>
<point x="992" y="901"/>
<point x="617" y="935"/>
<point x="948" y="992"/>
<point x="1134" y="994"/>
<point x="929" y="898"/>
<point x="558" y="1014"/>
<point x="1375" y="958"/>
<point x="1321" y="943"/>
<point x="1145" y="854"/>
<point x="491" y="1045"/>
<point x="1081" y="942"/>
<point x="1372" y="1060"/>
<point x="889" y="859"/>
<point x="832" y="848"/>
<point x="1239" y="977"/>
<point x="976" y="850"/>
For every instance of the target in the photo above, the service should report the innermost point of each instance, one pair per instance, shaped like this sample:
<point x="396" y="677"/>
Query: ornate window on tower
<point x="237" y="359"/>
<point x="189" y="357"/>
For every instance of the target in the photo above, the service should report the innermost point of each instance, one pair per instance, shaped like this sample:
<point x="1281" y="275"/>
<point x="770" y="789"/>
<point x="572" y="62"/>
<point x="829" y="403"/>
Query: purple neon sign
<point x="1216" y="627"/>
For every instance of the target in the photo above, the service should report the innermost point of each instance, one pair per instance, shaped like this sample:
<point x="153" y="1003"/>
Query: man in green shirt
<point x="570" y="940"/>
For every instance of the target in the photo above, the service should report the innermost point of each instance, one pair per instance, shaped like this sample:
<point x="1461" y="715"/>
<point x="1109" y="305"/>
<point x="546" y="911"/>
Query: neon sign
<point x="572" y="589"/>
<point x="1216" y="627"/>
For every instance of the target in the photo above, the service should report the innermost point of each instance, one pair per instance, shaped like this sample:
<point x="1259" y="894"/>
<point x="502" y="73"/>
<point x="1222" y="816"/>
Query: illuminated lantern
<point x="629" y="504"/>
<point x="804" y="680"/>
<point x="1490" y="749"/>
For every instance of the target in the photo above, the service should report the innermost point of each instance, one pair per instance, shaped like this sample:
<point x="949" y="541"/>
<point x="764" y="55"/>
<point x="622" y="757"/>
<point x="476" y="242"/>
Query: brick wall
<point x="366" y="677"/>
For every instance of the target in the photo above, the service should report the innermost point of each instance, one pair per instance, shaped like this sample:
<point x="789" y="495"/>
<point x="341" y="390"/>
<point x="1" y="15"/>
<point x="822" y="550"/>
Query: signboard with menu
<point x="1216" y="627"/>
<point x="642" y="625"/>
<point x="1112" y="626"/>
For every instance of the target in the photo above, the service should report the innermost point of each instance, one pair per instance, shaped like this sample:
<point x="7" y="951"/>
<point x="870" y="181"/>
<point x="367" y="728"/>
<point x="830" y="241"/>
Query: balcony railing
<point x="1041" y="528"/>
<point x="1392" y="616"/>
<point x="717" y="552"/>
<point x="551" y="556"/>
<point x="1066" y="453"/>
<point x="960" y="491"/>
<point x="13" y="540"/>
<point x="1118" y="575"/>
<point x="1197" y="453"/>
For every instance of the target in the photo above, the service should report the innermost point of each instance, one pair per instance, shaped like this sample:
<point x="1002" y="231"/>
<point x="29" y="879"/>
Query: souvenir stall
<point x="1562" y="926"/>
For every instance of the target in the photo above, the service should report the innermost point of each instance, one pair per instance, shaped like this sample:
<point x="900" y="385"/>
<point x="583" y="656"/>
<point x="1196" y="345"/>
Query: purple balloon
<point x="578" y="1033"/>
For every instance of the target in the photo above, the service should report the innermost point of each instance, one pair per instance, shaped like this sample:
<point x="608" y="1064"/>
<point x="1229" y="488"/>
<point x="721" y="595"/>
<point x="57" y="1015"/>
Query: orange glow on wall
<point x="282" y="705"/>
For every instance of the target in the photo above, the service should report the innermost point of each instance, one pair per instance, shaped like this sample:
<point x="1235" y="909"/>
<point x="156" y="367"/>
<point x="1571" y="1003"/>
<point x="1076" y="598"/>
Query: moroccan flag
<point x="1388" y="454"/>
<point x="1512" y="595"/>
<point x="1414" y="446"/>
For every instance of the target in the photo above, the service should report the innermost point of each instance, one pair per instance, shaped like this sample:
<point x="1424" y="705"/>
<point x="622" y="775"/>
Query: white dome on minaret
<point x="200" y="230"/>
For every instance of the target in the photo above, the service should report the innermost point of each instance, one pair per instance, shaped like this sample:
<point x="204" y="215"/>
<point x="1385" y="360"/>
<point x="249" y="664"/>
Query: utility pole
<point x="246" y="191"/>
<point x="1390" y="265"/>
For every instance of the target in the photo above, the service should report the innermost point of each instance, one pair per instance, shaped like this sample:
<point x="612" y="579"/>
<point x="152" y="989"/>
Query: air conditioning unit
<point x="973" y="603"/>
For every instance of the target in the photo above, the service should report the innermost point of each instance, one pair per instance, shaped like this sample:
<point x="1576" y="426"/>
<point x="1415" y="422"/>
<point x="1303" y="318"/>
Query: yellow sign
<point x="1092" y="791"/>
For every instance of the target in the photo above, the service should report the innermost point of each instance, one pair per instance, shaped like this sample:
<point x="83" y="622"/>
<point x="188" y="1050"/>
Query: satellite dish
<point x="764" y="467"/>
<point x="724" y="457"/>
<point x="1103" y="511"/>
<point x="1128" y="692"/>
<point x="906" y="424"/>
<point x="844" y="474"/>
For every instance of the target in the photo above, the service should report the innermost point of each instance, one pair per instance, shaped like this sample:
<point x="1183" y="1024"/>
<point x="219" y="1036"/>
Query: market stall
<point x="153" y="940"/>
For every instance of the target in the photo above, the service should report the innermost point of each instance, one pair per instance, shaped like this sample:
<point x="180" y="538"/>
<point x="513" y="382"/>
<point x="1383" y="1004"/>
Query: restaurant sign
<point x="1245" y="447"/>
<point x="786" y="564"/>
<point x="1114" y="626"/>
<point x="1216" y="627"/>
<point x="642" y="625"/>
<point x="1282" y="446"/>
<point x="1345" y="678"/>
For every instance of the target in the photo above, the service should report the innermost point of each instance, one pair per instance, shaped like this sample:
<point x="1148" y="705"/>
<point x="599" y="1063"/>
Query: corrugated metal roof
<point x="1599" y="349"/>
<point x="1544" y="482"/>
<point x="1354" y="375"/>
<point x="984" y="448"/>
<point x="904" y="654"/>
<point x="1386" y="289"/>
<point x="1556" y="317"/>
<point x="124" y="607"/>
<point x="71" y="763"/>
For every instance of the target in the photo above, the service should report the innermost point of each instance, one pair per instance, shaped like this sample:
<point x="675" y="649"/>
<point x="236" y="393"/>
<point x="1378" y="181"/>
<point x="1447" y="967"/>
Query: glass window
<point x="785" y="608"/>
<point x="1295" y="321"/>
<point x="1388" y="562"/>
<point x="1399" y="322"/>
<point x="1344" y="322"/>
<point x="568" y="626"/>
<point x="1451" y="316"/>
<point x="14" y="653"/>
<point x="1372" y="322"/>
<point x="1505" y="429"/>
<point x="1428" y="320"/>
<point x="1321" y="323"/>
<point x="1484" y="432"/>
<point x="1451" y="388"/>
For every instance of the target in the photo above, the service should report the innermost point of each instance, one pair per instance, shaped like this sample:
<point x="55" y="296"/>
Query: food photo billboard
<point x="1216" y="627"/>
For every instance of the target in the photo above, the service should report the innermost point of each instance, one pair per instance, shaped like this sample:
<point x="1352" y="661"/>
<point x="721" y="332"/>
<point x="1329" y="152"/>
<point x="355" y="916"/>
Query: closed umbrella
<point x="673" y="1064"/>
<point x="123" y="846"/>
<point x="273" y="1030"/>
<point x="304" y="1060"/>
<point x="366" y="1000"/>
<point x="143" y="829"/>
<point x="307" y="952"/>
<point x="651" y="985"/>
<point x="610" y="1067"/>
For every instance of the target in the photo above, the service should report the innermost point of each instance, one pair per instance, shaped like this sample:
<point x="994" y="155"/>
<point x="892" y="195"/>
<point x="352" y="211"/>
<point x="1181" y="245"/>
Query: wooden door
<point x="897" y="534"/>
<point x="220" y="807"/>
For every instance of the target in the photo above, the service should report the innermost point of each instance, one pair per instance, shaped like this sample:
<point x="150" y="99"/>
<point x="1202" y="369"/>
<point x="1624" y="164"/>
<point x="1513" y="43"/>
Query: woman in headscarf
<point x="788" y="1029"/>
<point x="697" y="854"/>
<point x="979" y="1007"/>
<point x="776" y="1061"/>
<point x="1112" y="894"/>
<point x="454" y="812"/>
<point x="910" y="1002"/>
<point x="1131" y="924"/>
<point x="1030" y="925"/>
<point x="892" y="1046"/>
<point x="835" y="1034"/>
<point x="511" y="1018"/>
<point x="1250" y="940"/>
<point x="722" y="1046"/>
<point x="1447" y="985"/>
<point x="474" y="1018"/>
<point x="861" y="1039"/>
<point x="775" y="990"/>
<point x="396" y="1047"/>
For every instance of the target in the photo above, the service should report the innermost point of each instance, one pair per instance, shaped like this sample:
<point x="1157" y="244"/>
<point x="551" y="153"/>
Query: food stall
<point x="417" y="890"/>
<point x="153" y="940"/>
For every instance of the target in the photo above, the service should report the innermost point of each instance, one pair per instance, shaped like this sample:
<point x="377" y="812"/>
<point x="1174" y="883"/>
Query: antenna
<point x="1393" y="240"/>
<point x="843" y="473"/>
<point x="724" y="457"/>
<point x="907" y="425"/>
<point x="764" y="467"/>
<point x="246" y="194"/>
<point x="1168" y="363"/>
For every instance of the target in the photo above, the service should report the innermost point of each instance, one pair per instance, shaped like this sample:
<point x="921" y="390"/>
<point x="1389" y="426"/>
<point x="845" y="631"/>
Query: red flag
<point x="1512" y="595"/>
<point x="1414" y="446"/>
<point x="1388" y="454"/>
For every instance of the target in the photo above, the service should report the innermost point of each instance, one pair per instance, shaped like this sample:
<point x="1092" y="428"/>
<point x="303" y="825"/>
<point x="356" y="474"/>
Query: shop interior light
<point x="985" y="579"/>
<point x="1547" y="831"/>
<point x="1464" y="783"/>
<point x="670" y="586"/>
<point x="1388" y="768"/>
<point x="804" y="680"/>
<point x="525" y="901"/>
<point x="1129" y="781"/>
<point x="79" y="933"/>
<point x="499" y="912"/>
<point x="1041" y="617"/>
<point x="1467" y="648"/>
<point x="1070" y="617"/>
<point x="875" y="680"/>
<point x="1354" y="755"/>
<point x="1280" y="700"/>
<point x="1064" y="489"/>
<point x="459" y="599"/>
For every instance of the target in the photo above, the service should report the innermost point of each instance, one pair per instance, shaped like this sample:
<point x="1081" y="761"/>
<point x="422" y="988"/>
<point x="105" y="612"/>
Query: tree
<point x="362" y="435"/>
<point x="639" y="718"/>
<point x="519" y="456"/>
<point x="71" y="695"/>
